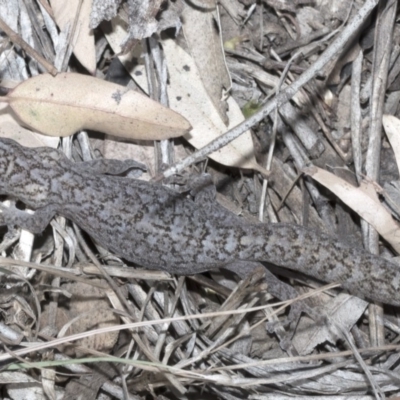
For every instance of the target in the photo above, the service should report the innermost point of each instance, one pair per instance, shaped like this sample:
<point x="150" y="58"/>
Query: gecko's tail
<point x="323" y="257"/>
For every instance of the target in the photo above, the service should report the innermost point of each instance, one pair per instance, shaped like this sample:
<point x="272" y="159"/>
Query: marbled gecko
<point x="158" y="228"/>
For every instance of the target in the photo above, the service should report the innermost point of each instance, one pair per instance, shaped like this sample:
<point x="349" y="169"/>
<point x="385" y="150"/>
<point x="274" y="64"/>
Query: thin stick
<point x="283" y="97"/>
<point x="17" y="39"/>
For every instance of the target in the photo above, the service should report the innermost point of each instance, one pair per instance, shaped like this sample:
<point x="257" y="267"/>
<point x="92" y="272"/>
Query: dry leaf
<point x="187" y="94"/>
<point x="67" y="103"/>
<point x="343" y="310"/>
<point x="10" y="129"/>
<point x="392" y="129"/>
<point x="188" y="97"/>
<point x="363" y="201"/>
<point x="83" y="39"/>
<point x="207" y="52"/>
<point x="90" y="305"/>
<point x="115" y="32"/>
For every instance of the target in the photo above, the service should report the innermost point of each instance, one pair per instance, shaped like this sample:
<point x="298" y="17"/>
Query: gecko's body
<point x="161" y="229"/>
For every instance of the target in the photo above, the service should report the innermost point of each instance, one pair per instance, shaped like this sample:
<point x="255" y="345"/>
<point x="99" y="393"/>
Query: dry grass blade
<point x="69" y="102"/>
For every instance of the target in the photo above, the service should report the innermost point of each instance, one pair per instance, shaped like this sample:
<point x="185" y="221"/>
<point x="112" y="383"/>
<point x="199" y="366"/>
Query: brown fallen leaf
<point x="69" y="102"/>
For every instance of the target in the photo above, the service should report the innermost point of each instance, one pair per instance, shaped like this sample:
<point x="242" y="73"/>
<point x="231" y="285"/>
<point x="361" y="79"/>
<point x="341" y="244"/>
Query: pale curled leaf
<point x="70" y="102"/>
<point x="83" y="38"/>
<point x="188" y="96"/>
<point x="207" y="52"/>
<point x="363" y="201"/>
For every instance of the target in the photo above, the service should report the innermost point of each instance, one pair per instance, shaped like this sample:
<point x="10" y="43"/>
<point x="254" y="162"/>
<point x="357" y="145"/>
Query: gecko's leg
<point x="203" y="189"/>
<point x="35" y="223"/>
<point x="112" y="167"/>
<point x="200" y="186"/>
<point x="281" y="291"/>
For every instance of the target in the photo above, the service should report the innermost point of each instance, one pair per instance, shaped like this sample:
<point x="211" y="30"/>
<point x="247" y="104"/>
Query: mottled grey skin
<point x="160" y="229"/>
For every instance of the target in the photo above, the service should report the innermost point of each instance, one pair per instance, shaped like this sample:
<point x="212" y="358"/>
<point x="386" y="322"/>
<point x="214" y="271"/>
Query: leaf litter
<point x="225" y="356"/>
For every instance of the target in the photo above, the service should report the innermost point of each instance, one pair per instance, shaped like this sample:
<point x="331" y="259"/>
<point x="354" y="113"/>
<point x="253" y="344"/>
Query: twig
<point x="281" y="98"/>
<point x="17" y="39"/>
<point x="382" y="50"/>
<point x="382" y="46"/>
<point x="356" y="115"/>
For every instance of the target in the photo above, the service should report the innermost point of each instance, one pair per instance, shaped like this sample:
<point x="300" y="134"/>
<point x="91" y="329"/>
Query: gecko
<point x="182" y="233"/>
